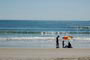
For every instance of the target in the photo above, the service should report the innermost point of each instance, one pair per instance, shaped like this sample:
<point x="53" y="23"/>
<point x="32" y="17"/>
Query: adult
<point x="57" y="41"/>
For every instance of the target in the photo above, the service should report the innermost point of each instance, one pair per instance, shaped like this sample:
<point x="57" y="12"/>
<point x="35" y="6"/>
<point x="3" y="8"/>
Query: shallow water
<point x="42" y="42"/>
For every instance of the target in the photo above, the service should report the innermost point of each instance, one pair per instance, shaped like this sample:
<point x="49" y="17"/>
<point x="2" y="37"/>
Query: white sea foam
<point x="41" y="38"/>
<point x="82" y="38"/>
<point x="28" y="38"/>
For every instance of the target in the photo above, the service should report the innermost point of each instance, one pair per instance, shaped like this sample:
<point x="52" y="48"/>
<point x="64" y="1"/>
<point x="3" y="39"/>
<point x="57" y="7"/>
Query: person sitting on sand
<point x="68" y="46"/>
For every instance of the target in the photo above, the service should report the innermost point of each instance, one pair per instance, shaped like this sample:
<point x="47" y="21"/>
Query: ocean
<point x="43" y="33"/>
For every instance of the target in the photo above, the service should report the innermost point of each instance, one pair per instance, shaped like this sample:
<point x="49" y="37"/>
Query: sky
<point x="45" y="9"/>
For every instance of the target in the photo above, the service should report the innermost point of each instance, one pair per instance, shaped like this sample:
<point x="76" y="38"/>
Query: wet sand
<point x="44" y="54"/>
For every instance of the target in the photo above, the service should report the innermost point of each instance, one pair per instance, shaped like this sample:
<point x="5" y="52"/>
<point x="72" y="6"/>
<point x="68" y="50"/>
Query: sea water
<point x="43" y="33"/>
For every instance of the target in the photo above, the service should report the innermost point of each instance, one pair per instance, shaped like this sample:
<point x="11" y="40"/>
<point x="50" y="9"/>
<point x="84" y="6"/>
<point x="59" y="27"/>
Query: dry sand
<point x="44" y="54"/>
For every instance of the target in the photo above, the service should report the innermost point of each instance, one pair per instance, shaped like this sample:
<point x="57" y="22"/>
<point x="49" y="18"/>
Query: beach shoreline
<point x="44" y="53"/>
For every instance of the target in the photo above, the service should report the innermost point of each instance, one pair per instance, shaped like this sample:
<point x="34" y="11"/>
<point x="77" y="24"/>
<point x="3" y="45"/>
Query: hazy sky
<point x="45" y="9"/>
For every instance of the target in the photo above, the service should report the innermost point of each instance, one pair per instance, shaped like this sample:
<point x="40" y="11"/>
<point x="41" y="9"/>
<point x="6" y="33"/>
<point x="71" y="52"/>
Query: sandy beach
<point x="44" y="54"/>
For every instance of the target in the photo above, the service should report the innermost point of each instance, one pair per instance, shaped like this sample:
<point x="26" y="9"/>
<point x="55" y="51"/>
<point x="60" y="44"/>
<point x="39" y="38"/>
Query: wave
<point x="45" y="32"/>
<point x="41" y="38"/>
<point x="81" y="38"/>
<point x="28" y="38"/>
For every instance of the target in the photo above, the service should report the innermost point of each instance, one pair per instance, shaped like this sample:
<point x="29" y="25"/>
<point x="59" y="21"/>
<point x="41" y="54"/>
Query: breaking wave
<point x="41" y="38"/>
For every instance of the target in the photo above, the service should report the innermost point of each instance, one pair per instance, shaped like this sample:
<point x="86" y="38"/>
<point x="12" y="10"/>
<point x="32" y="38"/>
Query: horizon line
<point x="50" y="19"/>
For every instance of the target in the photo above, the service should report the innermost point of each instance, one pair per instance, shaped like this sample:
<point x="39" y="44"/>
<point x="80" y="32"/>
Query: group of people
<point x="63" y="43"/>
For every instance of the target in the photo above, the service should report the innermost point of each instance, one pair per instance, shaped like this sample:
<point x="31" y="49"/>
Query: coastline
<point x="44" y="54"/>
